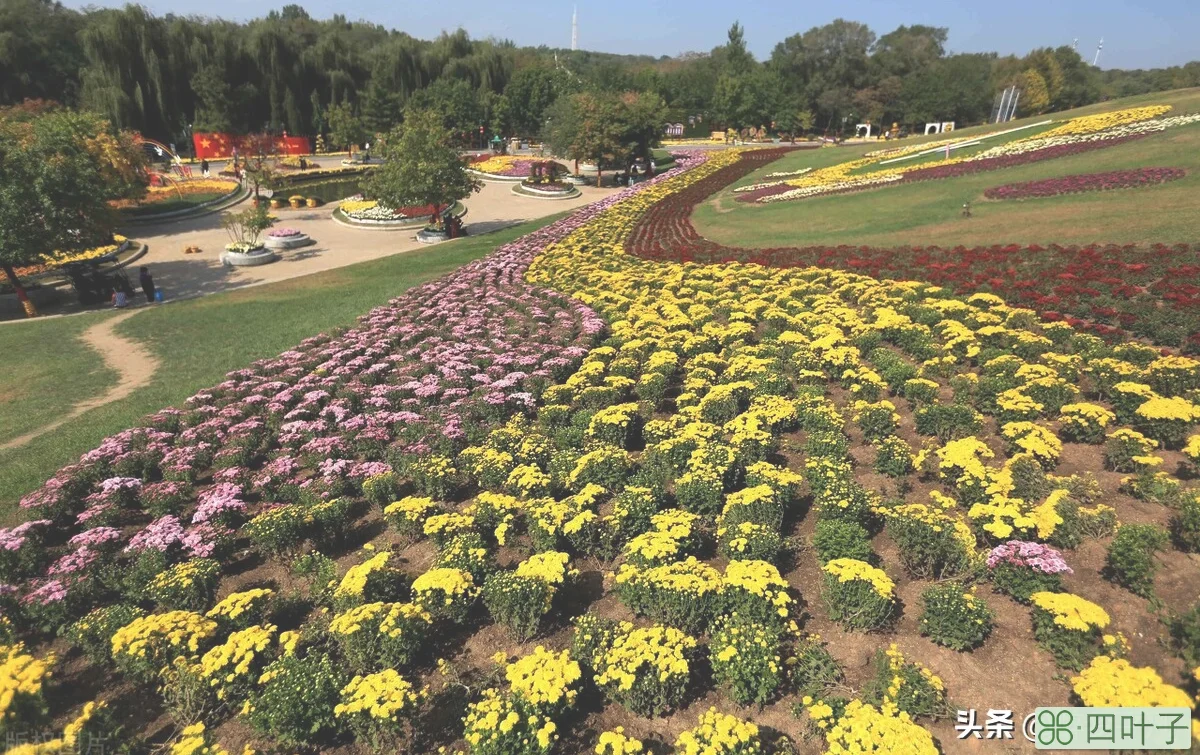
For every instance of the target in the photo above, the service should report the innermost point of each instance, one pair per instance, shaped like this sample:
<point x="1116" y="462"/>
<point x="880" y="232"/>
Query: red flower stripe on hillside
<point x="1152" y="292"/>
<point x="1117" y="179"/>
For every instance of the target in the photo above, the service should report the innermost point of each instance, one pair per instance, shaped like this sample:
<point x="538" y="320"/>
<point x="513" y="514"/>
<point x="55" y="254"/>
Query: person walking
<point x="147" y="283"/>
<point x="204" y="167"/>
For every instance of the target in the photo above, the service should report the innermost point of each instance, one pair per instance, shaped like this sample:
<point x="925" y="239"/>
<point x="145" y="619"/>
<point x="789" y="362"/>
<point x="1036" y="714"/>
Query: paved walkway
<point x="182" y="275"/>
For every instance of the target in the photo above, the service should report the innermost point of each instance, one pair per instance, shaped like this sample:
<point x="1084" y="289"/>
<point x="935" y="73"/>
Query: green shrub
<point x="279" y="531"/>
<point x="834" y="538"/>
<point x="749" y="541"/>
<point x="893" y="456"/>
<point x="1185" y="634"/>
<point x="858" y="595"/>
<point x="591" y="636"/>
<point x="92" y="634"/>
<point x="815" y="669"/>
<point x="684" y="594"/>
<point x="526" y="731"/>
<point x="518" y="603"/>
<point x="435" y="476"/>
<point x="912" y="688"/>
<point x="648" y="670"/>
<point x="321" y="571"/>
<point x="295" y="704"/>
<point x="701" y="491"/>
<point x="931" y="543"/>
<point x="948" y="422"/>
<point x="381" y="489"/>
<point x="606" y="466"/>
<point x="827" y="444"/>
<point x="1068" y="627"/>
<point x="1185" y="524"/>
<point x="1123" y="446"/>
<point x="1020" y="582"/>
<point x="467" y="551"/>
<point x="747" y="659"/>
<point x="953" y="618"/>
<point x="1130" y="561"/>
<point x="374" y="636"/>
<point x="920" y="391"/>
<point x="190" y="585"/>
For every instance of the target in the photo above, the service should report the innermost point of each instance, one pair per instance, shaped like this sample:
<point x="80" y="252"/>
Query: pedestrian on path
<point x="147" y="284"/>
<point x="204" y="167"/>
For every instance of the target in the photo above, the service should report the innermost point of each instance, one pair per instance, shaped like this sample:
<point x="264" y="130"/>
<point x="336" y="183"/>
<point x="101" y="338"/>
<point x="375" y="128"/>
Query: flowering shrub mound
<point x="318" y="548"/>
<point x="1117" y="179"/>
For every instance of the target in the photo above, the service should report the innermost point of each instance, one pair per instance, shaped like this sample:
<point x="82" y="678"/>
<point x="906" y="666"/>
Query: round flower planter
<point x="252" y="258"/>
<point x="276" y="204"/>
<point x="313" y="202"/>
<point x="577" y="180"/>
<point x="539" y="192"/>
<point x="288" y="242"/>
<point x="427" y="236"/>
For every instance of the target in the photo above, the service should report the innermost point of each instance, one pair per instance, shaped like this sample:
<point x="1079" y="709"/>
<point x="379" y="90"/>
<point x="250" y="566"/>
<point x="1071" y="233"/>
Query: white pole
<point x="1016" y="98"/>
<point x="1001" y="114"/>
<point x="1099" y="47"/>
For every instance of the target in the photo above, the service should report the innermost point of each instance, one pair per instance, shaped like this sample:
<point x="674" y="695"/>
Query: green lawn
<point x="46" y="370"/>
<point x="197" y="342"/>
<point x="930" y="212"/>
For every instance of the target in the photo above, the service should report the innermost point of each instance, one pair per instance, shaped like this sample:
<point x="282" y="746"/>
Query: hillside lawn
<point x="930" y="212"/>
<point x="196" y="341"/>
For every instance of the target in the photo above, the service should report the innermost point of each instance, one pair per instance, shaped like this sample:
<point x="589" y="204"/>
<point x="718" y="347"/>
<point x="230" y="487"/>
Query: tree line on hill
<point x="172" y="75"/>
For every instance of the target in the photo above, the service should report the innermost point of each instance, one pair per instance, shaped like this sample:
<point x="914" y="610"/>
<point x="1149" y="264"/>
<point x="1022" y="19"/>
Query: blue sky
<point x="1137" y="33"/>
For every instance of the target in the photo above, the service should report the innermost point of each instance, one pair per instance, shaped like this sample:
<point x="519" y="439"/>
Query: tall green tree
<point x="422" y="166"/>
<point x="58" y="171"/>
<point x="587" y="126"/>
<point x="530" y="92"/>
<point x="345" y="126"/>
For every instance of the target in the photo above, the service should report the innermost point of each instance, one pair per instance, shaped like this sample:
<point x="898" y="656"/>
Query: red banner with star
<point x="218" y="145"/>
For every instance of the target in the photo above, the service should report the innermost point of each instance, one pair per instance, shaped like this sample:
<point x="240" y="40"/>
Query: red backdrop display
<point x="216" y="145"/>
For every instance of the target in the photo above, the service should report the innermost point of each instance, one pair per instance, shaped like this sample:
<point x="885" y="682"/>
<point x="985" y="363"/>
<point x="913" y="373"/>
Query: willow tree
<point x="422" y="166"/>
<point x="58" y="171"/>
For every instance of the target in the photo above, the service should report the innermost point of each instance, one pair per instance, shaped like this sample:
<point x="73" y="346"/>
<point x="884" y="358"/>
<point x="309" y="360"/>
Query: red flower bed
<point x="1114" y="291"/>
<point x="1117" y="179"/>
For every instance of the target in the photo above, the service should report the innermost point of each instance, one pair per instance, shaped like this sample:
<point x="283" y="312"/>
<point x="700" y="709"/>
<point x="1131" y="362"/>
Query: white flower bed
<point x="376" y="213"/>
<point x="789" y="174"/>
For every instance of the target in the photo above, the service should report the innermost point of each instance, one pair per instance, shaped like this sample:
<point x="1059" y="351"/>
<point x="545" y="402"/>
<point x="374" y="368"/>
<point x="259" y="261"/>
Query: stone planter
<point x="312" y="202"/>
<point x="252" y="258"/>
<point x="428" y="236"/>
<point x="288" y="242"/>
<point x="577" y="180"/>
<point x="537" y="192"/>
<point x="276" y="204"/>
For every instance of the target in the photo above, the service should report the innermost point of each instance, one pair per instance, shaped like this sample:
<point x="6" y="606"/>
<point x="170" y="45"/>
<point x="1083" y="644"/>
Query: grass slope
<point x="45" y="371"/>
<point x="930" y="212"/>
<point x="197" y="342"/>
